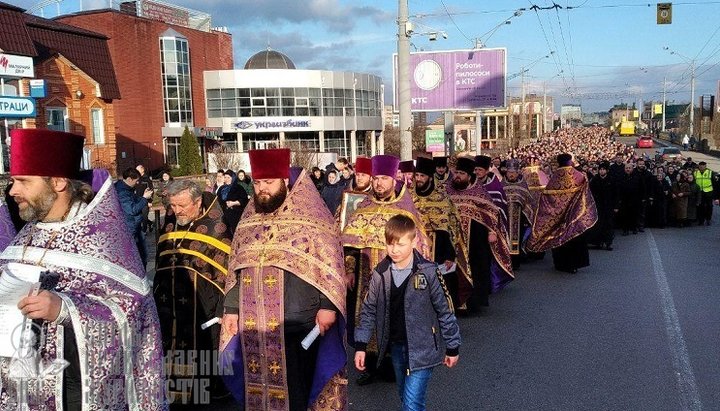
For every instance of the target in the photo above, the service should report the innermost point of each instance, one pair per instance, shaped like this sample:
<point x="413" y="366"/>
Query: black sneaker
<point x="365" y="378"/>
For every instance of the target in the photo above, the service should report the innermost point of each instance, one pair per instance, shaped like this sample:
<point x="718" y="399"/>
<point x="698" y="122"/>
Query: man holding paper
<point x="285" y="278"/>
<point x="95" y="309"/>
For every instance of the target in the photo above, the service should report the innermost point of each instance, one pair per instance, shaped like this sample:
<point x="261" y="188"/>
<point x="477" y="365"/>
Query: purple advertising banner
<point x="456" y="80"/>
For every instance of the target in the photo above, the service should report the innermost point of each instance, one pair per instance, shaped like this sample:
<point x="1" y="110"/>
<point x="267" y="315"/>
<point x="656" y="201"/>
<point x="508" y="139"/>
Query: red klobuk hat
<point x="269" y="164"/>
<point x="363" y="165"/>
<point x="45" y="153"/>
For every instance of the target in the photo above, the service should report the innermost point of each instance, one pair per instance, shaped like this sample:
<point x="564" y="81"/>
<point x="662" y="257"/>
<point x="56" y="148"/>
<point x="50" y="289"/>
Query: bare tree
<point x="302" y="156"/>
<point x="392" y="140"/>
<point x="224" y="157"/>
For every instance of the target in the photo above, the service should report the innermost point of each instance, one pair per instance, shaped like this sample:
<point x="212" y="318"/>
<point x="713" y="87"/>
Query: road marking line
<point x="689" y="395"/>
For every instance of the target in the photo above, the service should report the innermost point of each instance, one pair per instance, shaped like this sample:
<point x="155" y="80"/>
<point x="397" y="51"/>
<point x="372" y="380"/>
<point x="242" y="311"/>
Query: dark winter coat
<point x="132" y="205"/>
<point x="427" y="313"/>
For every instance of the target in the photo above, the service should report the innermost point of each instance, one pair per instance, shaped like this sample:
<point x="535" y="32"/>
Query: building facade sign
<point x="16" y="66"/>
<point x="456" y="80"/>
<point x="272" y="124"/>
<point x="17" y="107"/>
<point x="38" y="88"/>
<point x="165" y="13"/>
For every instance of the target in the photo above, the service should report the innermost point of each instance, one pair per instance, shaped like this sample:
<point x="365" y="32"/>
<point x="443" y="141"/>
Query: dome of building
<point x="269" y="59"/>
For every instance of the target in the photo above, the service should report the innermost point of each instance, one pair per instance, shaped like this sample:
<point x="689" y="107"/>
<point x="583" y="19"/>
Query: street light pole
<point x="403" y="46"/>
<point x="664" y="102"/>
<point x="692" y="87"/>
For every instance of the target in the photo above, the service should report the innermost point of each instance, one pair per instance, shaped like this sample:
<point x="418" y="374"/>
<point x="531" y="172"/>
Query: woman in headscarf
<point x="245" y="182"/>
<point x="233" y="199"/>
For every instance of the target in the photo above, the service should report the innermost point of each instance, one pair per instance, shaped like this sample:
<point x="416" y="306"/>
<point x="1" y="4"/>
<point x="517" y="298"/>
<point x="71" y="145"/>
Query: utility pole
<point x="664" y="102"/>
<point x="692" y="98"/>
<point x="523" y="123"/>
<point x="544" y="108"/>
<point x="403" y="46"/>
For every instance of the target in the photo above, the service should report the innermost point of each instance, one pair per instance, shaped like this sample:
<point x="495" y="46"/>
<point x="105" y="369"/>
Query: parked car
<point x="644" y="142"/>
<point x="668" y="154"/>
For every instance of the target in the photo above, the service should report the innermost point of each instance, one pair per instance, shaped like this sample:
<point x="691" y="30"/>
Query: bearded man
<point x="489" y="179"/>
<point x="442" y="225"/>
<point x="95" y="309"/>
<point x="191" y="268"/>
<point x="442" y="172"/>
<point x="484" y="230"/>
<point x="566" y="211"/>
<point x="286" y="277"/>
<point x="359" y="188"/>
<point x="364" y="238"/>
<point x="520" y="210"/>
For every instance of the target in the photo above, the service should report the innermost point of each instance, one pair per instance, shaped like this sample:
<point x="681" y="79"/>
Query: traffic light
<point x="664" y="13"/>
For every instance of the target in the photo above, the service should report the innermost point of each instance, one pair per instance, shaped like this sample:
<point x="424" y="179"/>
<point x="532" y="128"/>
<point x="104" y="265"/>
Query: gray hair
<point x="177" y="187"/>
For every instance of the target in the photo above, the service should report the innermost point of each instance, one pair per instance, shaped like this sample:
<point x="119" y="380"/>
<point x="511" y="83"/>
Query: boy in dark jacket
<point x="407" y="305"/>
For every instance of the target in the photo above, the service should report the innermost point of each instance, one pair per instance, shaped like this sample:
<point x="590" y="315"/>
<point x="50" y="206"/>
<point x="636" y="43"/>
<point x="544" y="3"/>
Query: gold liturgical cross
<point x="250" y="323"/>
<point x="270" y="281"/>
<point x="273" y="324"/>
<point x="247" y="280"/>
<point x="253" y="366"/>
<point x="275" y="368"/>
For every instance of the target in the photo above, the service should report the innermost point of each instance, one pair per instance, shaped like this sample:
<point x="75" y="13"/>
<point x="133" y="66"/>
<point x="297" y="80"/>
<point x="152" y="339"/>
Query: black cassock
<point x="572" y="255"/>
<point x="605" y="195"/>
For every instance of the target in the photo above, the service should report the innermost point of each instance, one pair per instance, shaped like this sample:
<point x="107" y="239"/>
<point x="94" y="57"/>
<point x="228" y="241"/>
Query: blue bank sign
<point x="17" y="107"/>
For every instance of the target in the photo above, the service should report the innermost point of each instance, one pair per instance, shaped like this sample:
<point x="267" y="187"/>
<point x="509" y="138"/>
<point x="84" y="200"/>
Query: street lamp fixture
<point x="691" y="62"/>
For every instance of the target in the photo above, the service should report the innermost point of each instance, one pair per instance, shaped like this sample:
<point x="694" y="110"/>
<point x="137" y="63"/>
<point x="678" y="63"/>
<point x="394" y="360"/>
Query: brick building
<point x="80" y="82"/>
<point x="159" y="53"/>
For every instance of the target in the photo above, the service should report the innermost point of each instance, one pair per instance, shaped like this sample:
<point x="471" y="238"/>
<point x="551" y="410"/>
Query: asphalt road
<point x="713" y="162"/>
<point x="637" y="330"/>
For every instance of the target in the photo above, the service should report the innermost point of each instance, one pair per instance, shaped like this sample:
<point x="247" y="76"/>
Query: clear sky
<point x="605" y="51"/>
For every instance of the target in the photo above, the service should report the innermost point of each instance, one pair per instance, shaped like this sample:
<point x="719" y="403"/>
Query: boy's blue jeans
<point x="412" y="387"/>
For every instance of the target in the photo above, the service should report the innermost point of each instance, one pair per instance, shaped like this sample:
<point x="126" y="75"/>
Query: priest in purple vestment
<point x="94" y="316"/>
<point x="566" y="210"/>
<point x="286" y="279"/>
<point x="492" y="183"/>
<point x="7" y="229"/>
<point x="485" y="235"/>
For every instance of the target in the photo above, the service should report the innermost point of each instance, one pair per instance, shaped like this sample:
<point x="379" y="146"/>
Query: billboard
<point x="455" y="80"/>
<point x="434" y="141"/>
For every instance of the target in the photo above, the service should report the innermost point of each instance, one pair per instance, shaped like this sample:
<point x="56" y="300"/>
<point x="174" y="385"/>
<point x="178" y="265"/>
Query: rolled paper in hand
<point x="310" y="338"/>
<point x="209" y="323"/>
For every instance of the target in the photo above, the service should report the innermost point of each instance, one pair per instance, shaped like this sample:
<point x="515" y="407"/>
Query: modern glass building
<point x="272" y="104"/>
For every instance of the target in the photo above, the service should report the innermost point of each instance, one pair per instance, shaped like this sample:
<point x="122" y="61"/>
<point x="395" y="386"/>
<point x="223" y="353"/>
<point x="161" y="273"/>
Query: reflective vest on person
<point x="704" y="180"/>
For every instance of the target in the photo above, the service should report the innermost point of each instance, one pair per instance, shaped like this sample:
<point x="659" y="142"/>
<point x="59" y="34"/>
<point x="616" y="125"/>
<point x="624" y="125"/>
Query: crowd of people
<point x="264" y="285"/>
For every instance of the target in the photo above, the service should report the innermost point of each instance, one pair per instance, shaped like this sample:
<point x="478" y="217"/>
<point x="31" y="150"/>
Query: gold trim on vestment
<point x="191" y="235"/>
<point x="197" y="254"/>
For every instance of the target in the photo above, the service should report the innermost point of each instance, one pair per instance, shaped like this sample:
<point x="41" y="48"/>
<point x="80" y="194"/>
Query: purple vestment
<point x="110" y="310"/>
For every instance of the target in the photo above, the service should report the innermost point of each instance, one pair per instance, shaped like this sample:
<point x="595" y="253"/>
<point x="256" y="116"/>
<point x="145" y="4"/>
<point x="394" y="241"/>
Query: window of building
<point x="56" y="118"/>
<point x="98" y="128"/>
<point x="177" y="87"/>
<point x="299" y="101"/>
<point x="172" y="150"/>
